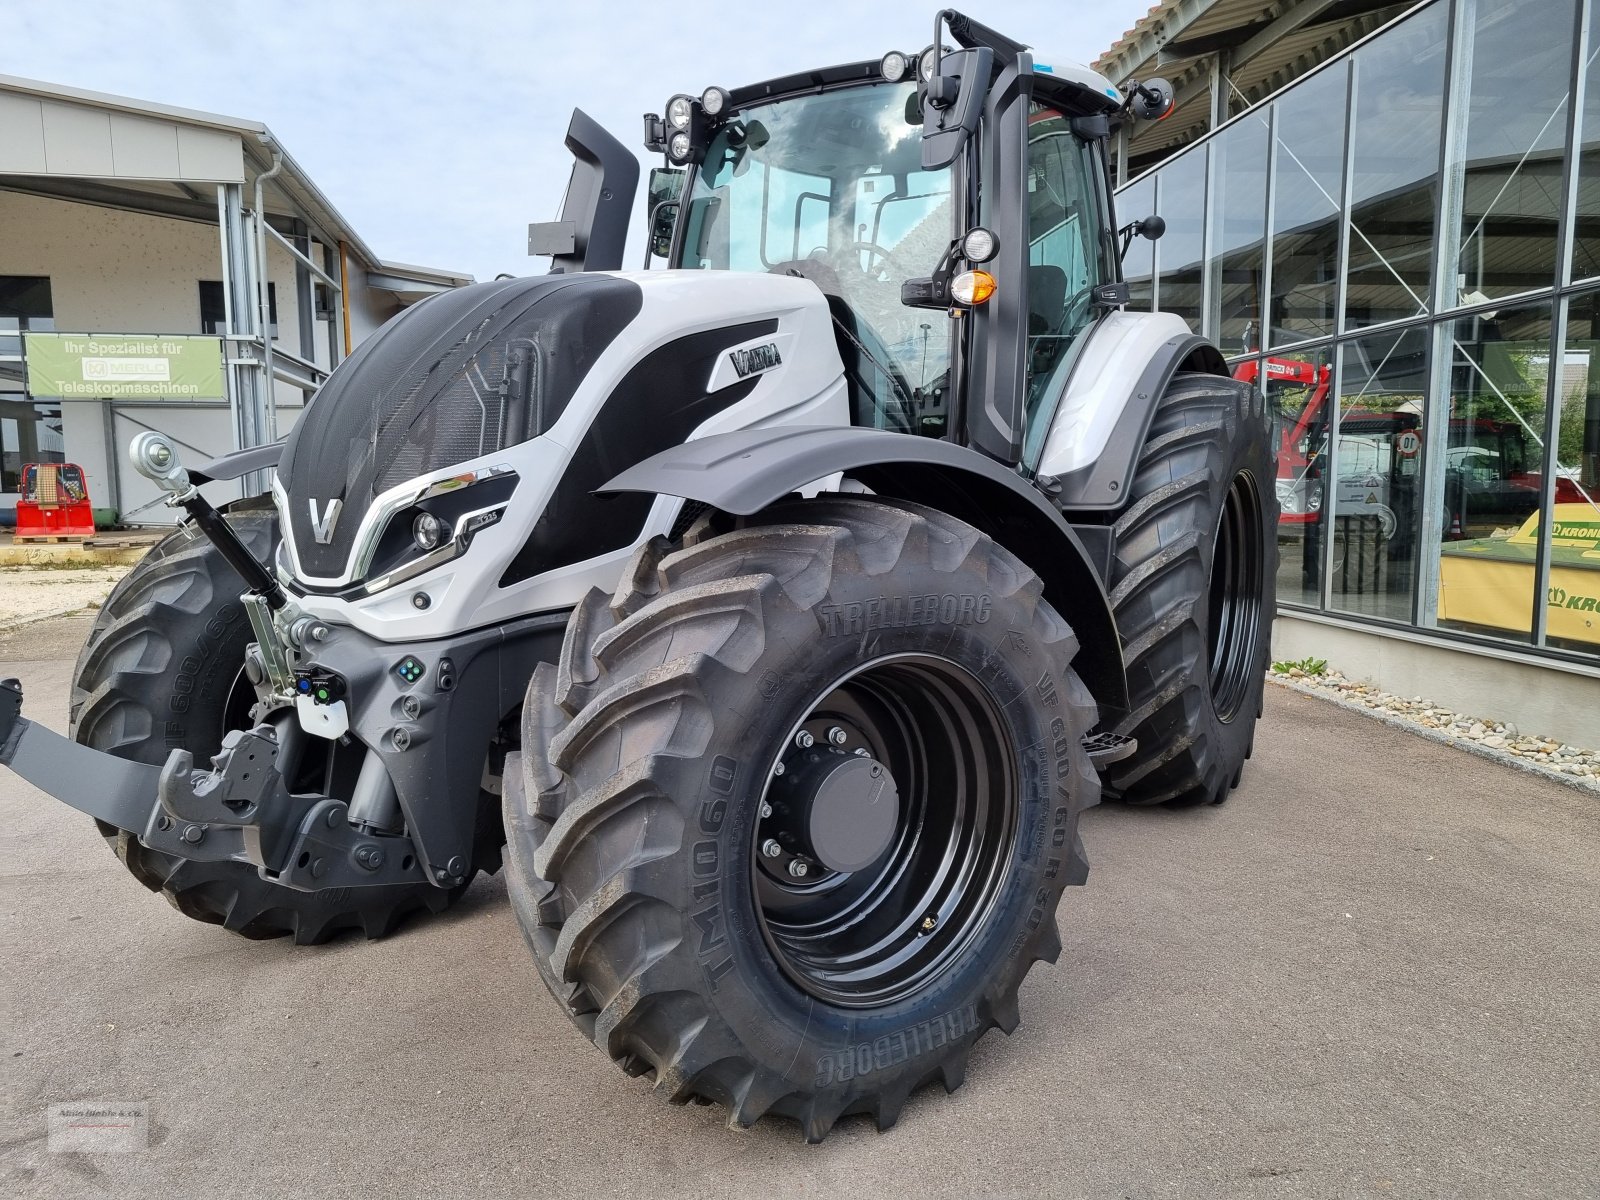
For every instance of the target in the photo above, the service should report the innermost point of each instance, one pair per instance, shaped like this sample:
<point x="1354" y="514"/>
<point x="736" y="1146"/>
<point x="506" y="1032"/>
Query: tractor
<point x="774" y="616"/>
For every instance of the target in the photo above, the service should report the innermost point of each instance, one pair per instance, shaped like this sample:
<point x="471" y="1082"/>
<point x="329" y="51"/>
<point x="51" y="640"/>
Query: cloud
<point x="436" y="128"/>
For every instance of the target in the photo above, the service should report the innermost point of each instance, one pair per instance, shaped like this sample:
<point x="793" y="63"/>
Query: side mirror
<point x="661" y="223"/>
<point x="1151" y="100"/>
<point x="952" y="101"/>
<point x="665" y="189"/>
<point x="1151" y="229"/>
<point x="666" y="185"/>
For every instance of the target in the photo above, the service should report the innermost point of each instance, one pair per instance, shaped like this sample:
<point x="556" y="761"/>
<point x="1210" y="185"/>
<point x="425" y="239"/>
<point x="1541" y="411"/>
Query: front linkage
<point x="402" y="733"/>
<point x="241" y="810"/>
<point x="420" y="727"/>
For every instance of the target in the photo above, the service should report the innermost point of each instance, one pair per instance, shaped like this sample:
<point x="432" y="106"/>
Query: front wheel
<point x="797" y="807"/>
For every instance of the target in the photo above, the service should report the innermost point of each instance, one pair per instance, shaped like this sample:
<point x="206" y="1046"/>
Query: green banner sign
<point x="124" y="366"/>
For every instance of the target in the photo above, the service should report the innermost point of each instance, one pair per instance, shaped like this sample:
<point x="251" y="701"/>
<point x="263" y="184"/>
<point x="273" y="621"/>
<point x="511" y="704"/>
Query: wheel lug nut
<point x="837" y="736"/>
<point x="766" y="809"/>
<point x="779" y="769"/>
<point x="930" y="923"/>
<point x="771" y="849"/>
<point x="863" y="752"/>
<point x="804" y="740"/>
<point x="798" y="868"/>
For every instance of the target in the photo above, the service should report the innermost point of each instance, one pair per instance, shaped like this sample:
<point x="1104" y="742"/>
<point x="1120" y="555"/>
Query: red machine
<point x="1299" y="500"/>
<point x="54" y="504"/>
<point x="1490" y="470"/>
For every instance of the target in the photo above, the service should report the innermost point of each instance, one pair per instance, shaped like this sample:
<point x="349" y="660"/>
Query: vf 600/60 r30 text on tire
<point x="1193" y="588"/>
<point x="797" y="807"/>
<point x="163" y="670"/>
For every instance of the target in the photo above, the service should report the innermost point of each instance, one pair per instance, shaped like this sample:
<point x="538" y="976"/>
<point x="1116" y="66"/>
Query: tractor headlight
<point x="680" y="110"/>
<point x="427" y="531"/>
<point x="979" y="246"/>
<point x="679" y="147"/>
<point x="893" y="66"/>
<point x="714" y="101"/>
<point x="436" y="524"/>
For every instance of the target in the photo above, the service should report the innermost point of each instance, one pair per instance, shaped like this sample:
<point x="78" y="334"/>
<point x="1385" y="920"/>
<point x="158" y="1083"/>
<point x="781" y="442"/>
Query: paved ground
<point x="1374" y="972"/>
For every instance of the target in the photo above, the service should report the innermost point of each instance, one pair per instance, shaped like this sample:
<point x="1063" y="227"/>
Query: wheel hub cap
<point x="841" y="809"/>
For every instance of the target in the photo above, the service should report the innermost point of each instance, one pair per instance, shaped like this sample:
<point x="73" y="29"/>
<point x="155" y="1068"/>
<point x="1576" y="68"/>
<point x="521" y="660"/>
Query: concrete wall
<point x="1555" y="699"/>
<point x="119" y="272"/>
<point x="368" y="309"/>
<point x="41" y="136"/>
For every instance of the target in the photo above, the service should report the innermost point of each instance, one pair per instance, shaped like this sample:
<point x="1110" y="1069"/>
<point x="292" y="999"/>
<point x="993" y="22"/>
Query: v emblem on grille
<point x="322" y="526"/>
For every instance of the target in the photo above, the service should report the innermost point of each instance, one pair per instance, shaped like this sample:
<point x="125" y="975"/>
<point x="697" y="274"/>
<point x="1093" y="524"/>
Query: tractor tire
<point x="162" y="671"/>
<point x="1193" y="586"/>
<point x="857" y="644"/>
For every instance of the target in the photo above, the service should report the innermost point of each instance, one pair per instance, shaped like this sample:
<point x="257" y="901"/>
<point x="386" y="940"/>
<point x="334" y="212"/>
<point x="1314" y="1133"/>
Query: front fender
<point x="748" y="470"/>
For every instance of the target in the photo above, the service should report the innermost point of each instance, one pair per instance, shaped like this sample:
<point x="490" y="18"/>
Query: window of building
<point x="24" y="304"/>
<point x="214" y="311"/>
<point x="1397" y="117"/>
<point x="1493" y="471"/>
<point x="1238" y="208"/>
<point x="1299" y="389"/>
<point x="1514" y="149"/>
<point x="1181" y="251"/>
<point x="1139" y="264"/>
<point x="1586" y="237"/>
<point x="28" y="432"/>
<point x="1372" y="474"/>
<point x="1572" y="599"/>
<point x="1308" y="188"/>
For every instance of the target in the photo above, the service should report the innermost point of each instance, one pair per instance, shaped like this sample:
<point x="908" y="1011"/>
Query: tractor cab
<point x="951" y="205"/>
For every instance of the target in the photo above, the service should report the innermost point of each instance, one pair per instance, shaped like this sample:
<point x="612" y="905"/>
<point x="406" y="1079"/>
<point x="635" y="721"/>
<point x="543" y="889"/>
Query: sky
<point x="436" y="128"/>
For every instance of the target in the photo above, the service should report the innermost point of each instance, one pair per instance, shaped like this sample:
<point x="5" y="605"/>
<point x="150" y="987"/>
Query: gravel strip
<point x="1505" y="744"/>
<point x="33" y="593"/>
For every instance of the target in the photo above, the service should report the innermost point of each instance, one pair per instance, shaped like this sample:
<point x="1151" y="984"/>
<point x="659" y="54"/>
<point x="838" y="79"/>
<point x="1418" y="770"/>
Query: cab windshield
<point x="830" y="187"/>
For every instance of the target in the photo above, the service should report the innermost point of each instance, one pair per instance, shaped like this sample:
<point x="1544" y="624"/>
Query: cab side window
<point x="1063" y="255"/>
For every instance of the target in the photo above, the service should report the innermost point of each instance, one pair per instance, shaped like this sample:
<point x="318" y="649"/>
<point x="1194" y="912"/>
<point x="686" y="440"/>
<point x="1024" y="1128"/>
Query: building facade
<point x="147" y="230"/>
<point x="1403" y="247"/>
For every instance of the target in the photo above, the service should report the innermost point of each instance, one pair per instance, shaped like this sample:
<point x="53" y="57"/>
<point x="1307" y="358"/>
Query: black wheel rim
<point x="1234" y="624"/>
<point x="874" y="935"/>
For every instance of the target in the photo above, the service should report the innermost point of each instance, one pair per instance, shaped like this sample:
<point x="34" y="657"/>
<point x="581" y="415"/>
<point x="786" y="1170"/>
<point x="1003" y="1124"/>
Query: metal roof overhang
<point x="1257" y="46"/>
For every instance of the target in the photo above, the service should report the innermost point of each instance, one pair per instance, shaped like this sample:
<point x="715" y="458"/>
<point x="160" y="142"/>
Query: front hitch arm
<point x="110" y="789"/>
<point x="239" y="811"/>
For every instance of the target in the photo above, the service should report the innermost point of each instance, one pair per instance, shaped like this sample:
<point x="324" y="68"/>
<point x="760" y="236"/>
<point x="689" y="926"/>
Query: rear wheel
<point x="797" y="807"/>
<point x="1193" y="587"/>
<point x="163" y="670"/>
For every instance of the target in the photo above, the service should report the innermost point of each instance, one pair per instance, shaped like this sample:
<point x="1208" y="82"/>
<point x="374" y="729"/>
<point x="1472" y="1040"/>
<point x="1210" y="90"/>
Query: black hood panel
<point x="462" y="374"/>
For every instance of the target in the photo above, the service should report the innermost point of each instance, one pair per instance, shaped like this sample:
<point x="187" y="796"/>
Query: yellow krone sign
<point x="1489" y="581"/>
<point x="92" y="366"/>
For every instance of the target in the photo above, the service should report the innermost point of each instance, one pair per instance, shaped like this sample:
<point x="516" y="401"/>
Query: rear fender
<point x="746" y="471"/>
<point x="1099" y="428"/>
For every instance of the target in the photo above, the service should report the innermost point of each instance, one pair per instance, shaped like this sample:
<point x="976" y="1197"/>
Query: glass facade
<point x="1403" y="250"/>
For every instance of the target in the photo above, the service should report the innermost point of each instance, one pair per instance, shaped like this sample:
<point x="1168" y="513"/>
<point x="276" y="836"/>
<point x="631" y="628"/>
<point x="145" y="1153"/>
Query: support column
<point x="1220" y="63"/>
<point x="247" y="382"/>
